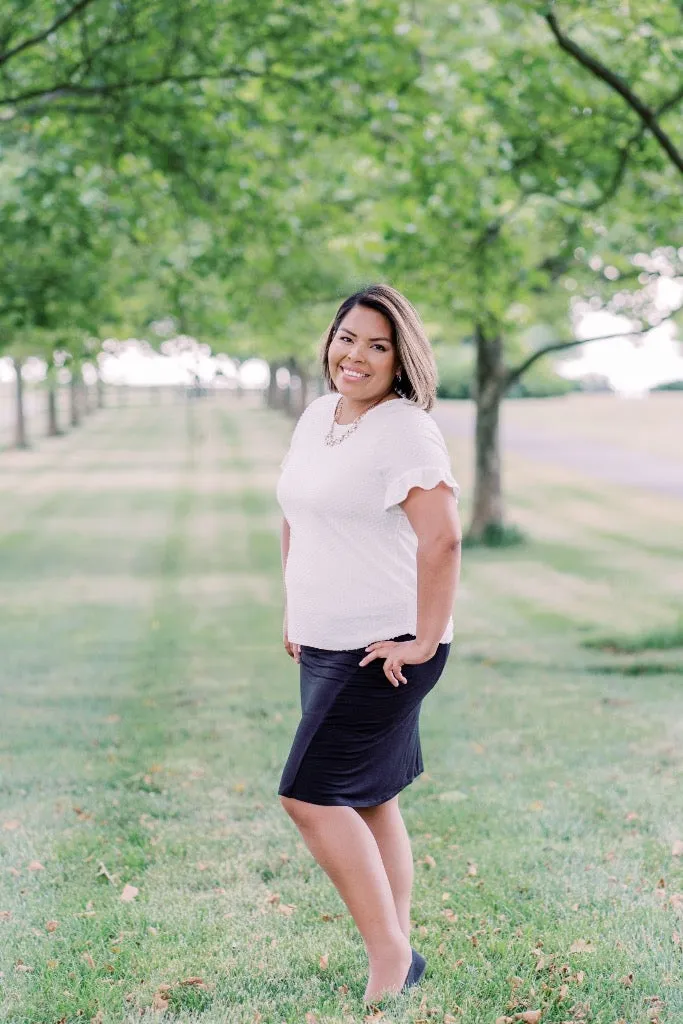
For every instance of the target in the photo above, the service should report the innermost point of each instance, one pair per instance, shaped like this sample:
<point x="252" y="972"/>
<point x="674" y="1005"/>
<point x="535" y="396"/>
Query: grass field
<point x="148" y="870"/>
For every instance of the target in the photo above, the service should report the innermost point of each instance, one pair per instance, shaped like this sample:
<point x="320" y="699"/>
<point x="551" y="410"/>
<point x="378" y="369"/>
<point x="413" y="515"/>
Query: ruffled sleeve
<point x="416" y="457"/>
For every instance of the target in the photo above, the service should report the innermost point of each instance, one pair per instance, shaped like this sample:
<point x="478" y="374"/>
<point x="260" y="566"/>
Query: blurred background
<point x="188" y="190"/>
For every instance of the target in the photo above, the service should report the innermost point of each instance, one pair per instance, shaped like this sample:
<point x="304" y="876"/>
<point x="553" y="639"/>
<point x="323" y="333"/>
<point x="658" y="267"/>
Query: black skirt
<point x="358" y="741"/>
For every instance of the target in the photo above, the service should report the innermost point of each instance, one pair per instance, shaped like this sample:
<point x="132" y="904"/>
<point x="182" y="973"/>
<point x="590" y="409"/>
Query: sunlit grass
<point x="148" y="709"/>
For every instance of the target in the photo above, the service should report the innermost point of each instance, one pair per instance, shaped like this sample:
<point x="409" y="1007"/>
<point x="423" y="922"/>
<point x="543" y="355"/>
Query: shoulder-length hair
<point x="419" y="376"/>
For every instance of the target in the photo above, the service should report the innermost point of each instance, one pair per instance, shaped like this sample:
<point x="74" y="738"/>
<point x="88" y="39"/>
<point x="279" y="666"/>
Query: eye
<point x="382" y="348"/>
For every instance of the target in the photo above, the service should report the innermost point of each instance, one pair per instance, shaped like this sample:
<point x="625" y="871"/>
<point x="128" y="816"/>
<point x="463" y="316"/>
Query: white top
<point x="351" y="571"/>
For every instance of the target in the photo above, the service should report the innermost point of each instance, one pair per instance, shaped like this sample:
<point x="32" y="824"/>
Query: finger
<point x="370" y="657"/>
<point x="396" y="669"/>
<point x="389" y="674"/>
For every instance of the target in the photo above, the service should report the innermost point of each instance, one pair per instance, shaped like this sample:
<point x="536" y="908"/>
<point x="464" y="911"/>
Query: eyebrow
<point x="347" y="331"/>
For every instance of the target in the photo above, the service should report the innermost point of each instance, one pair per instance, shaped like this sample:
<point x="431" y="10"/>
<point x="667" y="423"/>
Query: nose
<point x="356" y="353"/>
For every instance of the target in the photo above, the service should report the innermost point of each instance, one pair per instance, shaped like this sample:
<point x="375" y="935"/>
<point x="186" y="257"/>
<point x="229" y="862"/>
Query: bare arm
<point x="284" y="548"/>
<point x="293" y="650"/>
<point x="434" y="517"/>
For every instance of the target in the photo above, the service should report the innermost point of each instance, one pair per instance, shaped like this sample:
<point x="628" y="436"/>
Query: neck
<point x="352" y="408"/>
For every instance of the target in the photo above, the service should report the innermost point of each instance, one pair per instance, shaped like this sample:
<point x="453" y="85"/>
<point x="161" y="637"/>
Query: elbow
<point x="443" y="545"/>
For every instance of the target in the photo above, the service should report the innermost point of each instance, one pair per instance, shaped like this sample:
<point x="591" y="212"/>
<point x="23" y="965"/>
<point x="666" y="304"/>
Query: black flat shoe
<point x="415" y="972"/>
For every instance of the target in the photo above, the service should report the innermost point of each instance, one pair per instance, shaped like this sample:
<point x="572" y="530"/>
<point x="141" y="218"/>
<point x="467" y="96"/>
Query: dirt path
<point x="568" y="442"/>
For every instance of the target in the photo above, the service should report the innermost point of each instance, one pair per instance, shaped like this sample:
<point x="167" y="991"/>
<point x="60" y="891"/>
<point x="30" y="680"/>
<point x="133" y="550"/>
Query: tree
<point x="504" y="181"/>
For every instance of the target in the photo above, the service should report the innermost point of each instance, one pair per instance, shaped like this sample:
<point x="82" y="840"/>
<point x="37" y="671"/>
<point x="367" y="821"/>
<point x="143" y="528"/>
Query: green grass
<point x="666" y="639"/>
<point x="148" y="708"/>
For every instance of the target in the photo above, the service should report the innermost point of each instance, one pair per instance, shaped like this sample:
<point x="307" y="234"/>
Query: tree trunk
<point x="100" y="392"/>
<point x="73" y="388"/>
<point x="487" y="515"/>
<point x="20" y="439"/>
<point x="272" y="397"/>
<point x="52" y="421"/>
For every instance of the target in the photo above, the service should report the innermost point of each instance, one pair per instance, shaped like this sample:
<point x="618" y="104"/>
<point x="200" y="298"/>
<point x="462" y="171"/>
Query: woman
<point x="370" y="556"/>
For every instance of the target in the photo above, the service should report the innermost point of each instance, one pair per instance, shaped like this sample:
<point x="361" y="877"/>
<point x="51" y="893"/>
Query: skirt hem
<point x="347" y="802"/>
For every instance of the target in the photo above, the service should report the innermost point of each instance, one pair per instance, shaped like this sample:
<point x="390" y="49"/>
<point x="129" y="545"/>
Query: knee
<point x="302" y="813"/>
<point x="292" y="807"/>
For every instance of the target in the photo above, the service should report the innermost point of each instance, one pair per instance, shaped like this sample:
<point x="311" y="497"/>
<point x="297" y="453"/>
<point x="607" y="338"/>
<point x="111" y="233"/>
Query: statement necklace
<point x="330" y="439"/>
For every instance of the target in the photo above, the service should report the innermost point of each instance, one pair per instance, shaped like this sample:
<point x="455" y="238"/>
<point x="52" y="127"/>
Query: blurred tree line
<point x="242" y="166"/>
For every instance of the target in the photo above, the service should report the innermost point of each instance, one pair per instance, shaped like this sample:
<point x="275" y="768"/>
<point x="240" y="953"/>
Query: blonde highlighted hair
<point x="419" y="377"/>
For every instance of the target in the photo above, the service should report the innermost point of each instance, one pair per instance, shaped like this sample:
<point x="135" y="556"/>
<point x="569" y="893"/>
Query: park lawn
<point x="148" y="708"/>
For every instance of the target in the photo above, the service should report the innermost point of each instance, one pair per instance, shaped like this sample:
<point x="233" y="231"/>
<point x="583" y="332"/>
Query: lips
<point x="353" y="374"/>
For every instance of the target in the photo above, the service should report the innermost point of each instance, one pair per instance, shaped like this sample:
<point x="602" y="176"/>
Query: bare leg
<point x="388" y="827"/>
<point x="346" y="850"/>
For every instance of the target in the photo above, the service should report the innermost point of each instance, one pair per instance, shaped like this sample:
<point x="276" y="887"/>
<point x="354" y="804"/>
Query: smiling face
<point x="362" y="359"/>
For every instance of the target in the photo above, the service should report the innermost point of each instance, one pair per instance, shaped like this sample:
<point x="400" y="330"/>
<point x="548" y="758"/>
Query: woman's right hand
<point x="293" y="650"/>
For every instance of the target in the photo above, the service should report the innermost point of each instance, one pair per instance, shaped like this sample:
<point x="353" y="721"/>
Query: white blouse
<point x="351" y="570"/>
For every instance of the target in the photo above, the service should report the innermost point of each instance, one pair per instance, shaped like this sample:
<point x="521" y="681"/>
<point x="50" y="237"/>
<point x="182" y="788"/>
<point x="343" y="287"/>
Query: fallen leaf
<point x="160" y="999"/>
<point x="88" y="959"/>
<point x="194" y="980"/>
<point x="429" y="861"/>
<point x="98" y="1018"/>
<point x="563" y="993"/>
<point x="677" y="848"/>
<point x="101" y="870"/>
<point x="528" y="1016"/>
<point x="52" y="926"/>
<point x="129" y="893"/>
<point x="676" y="901"/>
<point x="449" y="914"/>
<point x="627" y="980"/>
<point x="21" y="966"/>
<point x="581" y="946"/>
<point x="5" y="915"/>
<point x="287" y="908"/>
<point x="311" y="1018"/>
<point x="112" y="719"/>
<point x="324" y="960"/>
<point x="676" y="939"/>
<point x="471" y="868"/>
<point x="11" y="824"/>
<point x="537" y="805"/>
<point x="35" y="865"/>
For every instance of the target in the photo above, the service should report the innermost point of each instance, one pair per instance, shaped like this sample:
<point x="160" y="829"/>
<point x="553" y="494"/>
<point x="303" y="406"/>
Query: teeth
<point x="352" y="373"/>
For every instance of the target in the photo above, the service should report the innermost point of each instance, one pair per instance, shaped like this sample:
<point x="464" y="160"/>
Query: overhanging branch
<point x="41" y="36"/>
<point x="516" y="372"/>
<point x="615" y="82"/>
